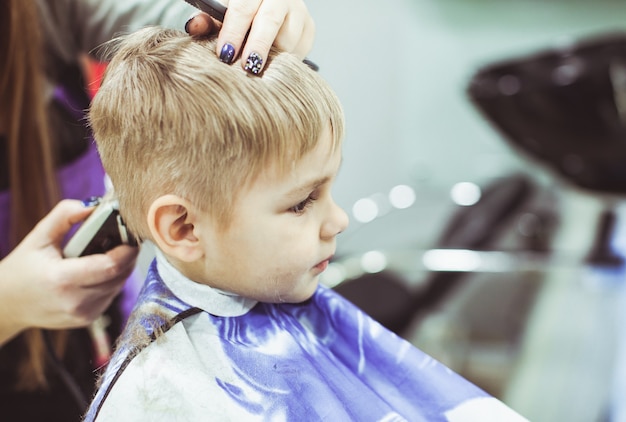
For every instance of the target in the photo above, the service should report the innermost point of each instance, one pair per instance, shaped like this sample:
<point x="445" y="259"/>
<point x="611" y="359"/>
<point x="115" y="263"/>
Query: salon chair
<point x="565" y="107"/>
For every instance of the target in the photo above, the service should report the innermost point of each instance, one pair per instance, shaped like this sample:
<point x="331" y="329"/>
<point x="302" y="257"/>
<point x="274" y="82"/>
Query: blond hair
<point x="170" y="118"/>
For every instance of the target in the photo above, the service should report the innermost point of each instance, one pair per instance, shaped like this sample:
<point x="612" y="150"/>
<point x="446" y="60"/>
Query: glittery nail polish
<point x="92" y="201"/>
<point x="228" y="53"/>
<point x="254" y="63"/>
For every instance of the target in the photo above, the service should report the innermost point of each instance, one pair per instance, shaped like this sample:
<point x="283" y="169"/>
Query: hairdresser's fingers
<point x="88" y="304"/>
<point x="266" y="25"/>
<point x="125" y="257"/>
<point x="201" y="24"/>
<point x="292" y="28"/>
<point x="54" y="226"/>
<point x="237" y="21"/>
<point x="99" y="285"/>
<point x="63" y="293"/>
<point x="285" y="24"/>
<point x="307" y="37"/>
<point x="98" y="298"/>
<point x="89" y="310"/>
<point x="99" y="269"/>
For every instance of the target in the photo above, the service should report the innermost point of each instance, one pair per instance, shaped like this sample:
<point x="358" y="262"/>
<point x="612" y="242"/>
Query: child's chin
<point x="304" y="293"/>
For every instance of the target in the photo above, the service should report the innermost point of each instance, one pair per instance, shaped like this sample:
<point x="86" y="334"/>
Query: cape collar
<point x="214" y="301"/>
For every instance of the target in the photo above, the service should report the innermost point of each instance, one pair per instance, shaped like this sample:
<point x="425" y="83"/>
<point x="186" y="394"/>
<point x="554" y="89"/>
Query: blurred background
<point x="506" y="270"/>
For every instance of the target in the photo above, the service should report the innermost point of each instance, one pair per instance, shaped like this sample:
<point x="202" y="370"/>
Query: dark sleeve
<point x="73" y="27"/>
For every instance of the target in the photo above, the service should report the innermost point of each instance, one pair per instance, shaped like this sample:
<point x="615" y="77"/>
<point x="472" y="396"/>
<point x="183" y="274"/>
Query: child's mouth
<point x="322" y="266"/>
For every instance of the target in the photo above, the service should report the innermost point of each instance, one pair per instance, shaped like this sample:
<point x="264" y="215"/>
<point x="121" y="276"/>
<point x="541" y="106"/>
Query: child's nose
<point x="336" y="222"/>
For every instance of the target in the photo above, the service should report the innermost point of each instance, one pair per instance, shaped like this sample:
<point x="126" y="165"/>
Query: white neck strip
<point x="214" y="301"/>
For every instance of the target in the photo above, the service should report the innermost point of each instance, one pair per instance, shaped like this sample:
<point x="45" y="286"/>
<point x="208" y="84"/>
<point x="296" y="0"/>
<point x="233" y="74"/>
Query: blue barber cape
<point x="193" y="353"/>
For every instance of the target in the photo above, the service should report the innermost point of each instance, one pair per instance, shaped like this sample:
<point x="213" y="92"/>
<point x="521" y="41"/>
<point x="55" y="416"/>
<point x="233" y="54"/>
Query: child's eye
<point x="302" y="206"/>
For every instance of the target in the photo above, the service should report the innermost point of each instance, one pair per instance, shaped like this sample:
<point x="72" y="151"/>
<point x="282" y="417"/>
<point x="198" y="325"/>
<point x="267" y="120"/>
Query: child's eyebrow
<point x="308" y="187"/>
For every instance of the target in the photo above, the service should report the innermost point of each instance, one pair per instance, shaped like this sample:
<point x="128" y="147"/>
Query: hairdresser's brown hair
<point x="29" y="150"/>
<point x="170" y="118"/>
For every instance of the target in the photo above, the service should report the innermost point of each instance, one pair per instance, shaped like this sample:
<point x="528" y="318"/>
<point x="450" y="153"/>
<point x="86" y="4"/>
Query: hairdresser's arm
<point x="81" y="26"/>
<point x="38" y="288"/>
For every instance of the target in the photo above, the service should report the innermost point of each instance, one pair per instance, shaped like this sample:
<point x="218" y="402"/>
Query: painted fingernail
<point x="228" y="53"/>
<point x="254" y="63"/>
<point x="92" y="201"/>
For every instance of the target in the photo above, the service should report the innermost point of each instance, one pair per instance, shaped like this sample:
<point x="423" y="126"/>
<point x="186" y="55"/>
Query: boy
<point x="230" y="177"/>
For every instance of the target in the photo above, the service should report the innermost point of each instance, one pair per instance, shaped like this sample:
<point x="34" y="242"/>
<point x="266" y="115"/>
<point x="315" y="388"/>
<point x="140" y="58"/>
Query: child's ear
<point x="171" y="220"/>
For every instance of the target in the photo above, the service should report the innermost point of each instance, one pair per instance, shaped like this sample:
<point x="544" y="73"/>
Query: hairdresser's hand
<point x="283" y="23"/>
<point x="39" y="288"/>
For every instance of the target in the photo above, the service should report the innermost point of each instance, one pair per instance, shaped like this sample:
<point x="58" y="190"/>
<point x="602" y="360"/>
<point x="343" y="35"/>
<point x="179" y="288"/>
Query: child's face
<point x="282" y="234"/>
